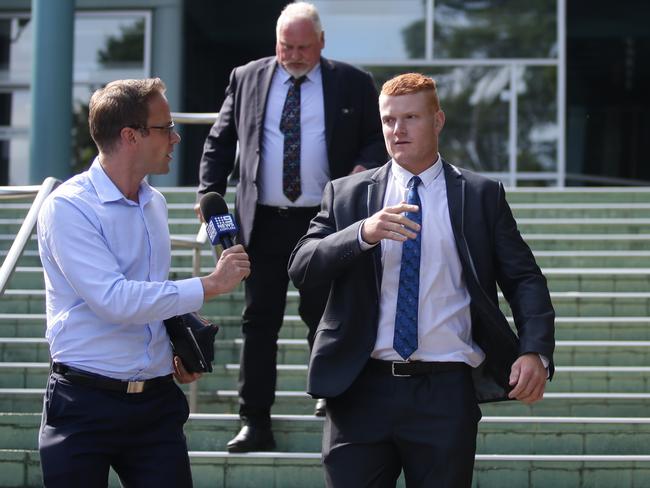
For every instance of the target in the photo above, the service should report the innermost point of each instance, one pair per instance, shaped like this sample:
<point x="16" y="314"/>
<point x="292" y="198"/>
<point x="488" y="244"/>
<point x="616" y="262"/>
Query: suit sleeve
<point x="324" y="252"/>
<point x="523" y="284"/>
<point x="220" y="146"/>
<point x="372" y="149"/>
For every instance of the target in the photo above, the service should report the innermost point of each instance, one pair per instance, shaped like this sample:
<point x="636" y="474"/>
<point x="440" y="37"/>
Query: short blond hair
<point x="409" y="83"/>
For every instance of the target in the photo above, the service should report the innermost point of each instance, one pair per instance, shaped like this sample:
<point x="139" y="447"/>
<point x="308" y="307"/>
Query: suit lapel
<point x="375" y="202"/>
<point x="456" y="203"/>
<point x="264" y="78"/>
<point x="454" y="182"/>
<point x="330" y="95"/>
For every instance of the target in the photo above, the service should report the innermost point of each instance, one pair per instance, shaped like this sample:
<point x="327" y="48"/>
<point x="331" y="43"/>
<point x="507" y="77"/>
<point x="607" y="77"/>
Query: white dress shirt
<point x="444" y="322"/>
<point x="106" y="262"/>
<point x="314" y="166"/>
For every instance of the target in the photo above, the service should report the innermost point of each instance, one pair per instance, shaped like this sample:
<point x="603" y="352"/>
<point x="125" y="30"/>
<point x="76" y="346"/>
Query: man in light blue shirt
<point x="104" y="244"/>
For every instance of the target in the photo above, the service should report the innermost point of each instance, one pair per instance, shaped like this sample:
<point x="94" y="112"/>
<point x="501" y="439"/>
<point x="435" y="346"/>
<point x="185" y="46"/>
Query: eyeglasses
<point x="167" y="128"/>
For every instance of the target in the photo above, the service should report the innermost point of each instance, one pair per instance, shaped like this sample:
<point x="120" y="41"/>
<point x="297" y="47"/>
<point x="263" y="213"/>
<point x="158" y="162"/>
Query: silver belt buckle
<point x="392" y="367"/>
<point x="135" y="387"/>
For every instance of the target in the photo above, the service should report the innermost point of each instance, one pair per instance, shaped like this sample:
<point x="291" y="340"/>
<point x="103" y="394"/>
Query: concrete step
<point x="580" y="210"/>
<point x="545" y="258"/>
<point x="562" y="241"/>
<point x="584" y="226"/>
<point x="303" y="433"/>
<point x="560" y="279"/>
<point x="540" y="225"/>
<point x="578" y="195"/>
<point x="292" y="377"/>
<point x="185" y="209"/>
<point x="303" y="470"/>
<point x="18" y="325"/>
<point x="593" y="259"/>
<point x="6" y="240"/>
<point x="598" y="279"/>
<point x="566" y="303"/>
<point x="295" y="402"/>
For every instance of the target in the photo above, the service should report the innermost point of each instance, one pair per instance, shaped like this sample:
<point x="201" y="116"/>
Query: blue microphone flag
<point x="220" y="227"/>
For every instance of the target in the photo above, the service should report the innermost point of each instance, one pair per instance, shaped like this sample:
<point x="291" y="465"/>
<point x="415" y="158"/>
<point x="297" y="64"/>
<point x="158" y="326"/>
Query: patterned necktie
<point x="405" y="340"/>
<point x="290" y="127"/>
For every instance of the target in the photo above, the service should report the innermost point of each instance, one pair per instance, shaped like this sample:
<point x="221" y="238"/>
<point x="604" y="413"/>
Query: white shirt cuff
<point x="545" y="362"/>
<point x="363" y="244"/>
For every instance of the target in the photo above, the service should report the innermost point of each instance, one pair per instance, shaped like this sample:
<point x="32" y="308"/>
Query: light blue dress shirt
<point x="106" y="263"/>
<point x="314" y="164"/>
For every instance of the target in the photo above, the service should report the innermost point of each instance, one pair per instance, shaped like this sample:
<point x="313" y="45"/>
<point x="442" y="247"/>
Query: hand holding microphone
<point x="233" y="265"/>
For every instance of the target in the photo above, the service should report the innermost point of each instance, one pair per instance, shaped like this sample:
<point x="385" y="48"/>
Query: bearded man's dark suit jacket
<point x="352" y="135"/>
<point x="491" y="251"/>
<point x="352" y="130"/>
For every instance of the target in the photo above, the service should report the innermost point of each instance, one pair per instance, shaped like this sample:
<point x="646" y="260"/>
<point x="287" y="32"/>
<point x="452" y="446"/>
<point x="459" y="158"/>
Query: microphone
<point x="220" y="224"/>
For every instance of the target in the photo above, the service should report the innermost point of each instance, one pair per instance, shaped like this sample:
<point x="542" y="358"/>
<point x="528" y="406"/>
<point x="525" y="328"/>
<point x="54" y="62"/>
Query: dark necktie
<point x="290" y="127"/>
<point x="405" y="340"/>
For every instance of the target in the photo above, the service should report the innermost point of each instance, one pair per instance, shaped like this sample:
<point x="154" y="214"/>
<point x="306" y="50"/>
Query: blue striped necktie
<point x="405" y="340"/>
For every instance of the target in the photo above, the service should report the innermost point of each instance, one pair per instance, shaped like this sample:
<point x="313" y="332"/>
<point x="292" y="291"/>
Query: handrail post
<point x="196" y="271"/>
<point x="196" y="246"/>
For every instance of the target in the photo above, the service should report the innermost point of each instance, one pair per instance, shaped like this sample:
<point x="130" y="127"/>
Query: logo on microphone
<point x="221" y="225"/>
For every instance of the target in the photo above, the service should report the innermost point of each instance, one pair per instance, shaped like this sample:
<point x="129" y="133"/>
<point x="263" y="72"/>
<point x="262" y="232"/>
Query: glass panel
<point x="84" y="149"/>
<point x="370" y="30"/>
<point x="14" y="136"/>
<point x="5" y="109"/>
<point x="18" y="160"/>
<point x="4" y="162"/>
<point x="15" y="50"/>
<point x="108" y="48"/>
<point x="538" y="134"/>
<point x="495" y="29"/>
<point x="475" y="135"/>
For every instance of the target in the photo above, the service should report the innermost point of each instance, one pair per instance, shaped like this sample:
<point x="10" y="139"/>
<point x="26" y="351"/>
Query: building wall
<point x="116" y="39"/>
<point x="499" y="64"/>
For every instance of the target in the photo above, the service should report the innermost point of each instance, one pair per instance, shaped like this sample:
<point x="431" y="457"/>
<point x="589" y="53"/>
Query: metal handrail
<point x="195" y="118"/>
<point x="27" y="228"/>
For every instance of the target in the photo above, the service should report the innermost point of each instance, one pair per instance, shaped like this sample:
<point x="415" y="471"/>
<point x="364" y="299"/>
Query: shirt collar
<point x="427" y="176"/>
<point x="312" y="75"/>
<point x="108" y="192"/>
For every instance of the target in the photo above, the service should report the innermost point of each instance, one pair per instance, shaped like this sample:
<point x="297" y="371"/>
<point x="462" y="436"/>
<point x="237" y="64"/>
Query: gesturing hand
<point x="528" y="376"/>
<point x="390" y="223"/>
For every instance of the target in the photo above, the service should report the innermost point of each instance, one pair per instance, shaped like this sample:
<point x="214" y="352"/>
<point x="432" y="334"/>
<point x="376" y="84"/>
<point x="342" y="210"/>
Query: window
<point x="108" y="45"/>
<point x="496" y="63"/>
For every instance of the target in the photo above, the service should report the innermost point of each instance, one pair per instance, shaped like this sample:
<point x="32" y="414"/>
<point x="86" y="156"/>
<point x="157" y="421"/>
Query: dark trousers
<point x="425" y="425"/>
<point x="273" y="238"/>
<point x="86" y="430"/>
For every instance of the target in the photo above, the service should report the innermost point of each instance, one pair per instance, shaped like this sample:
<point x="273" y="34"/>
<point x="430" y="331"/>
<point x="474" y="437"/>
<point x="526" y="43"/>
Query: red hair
<point x="410" y="83"/>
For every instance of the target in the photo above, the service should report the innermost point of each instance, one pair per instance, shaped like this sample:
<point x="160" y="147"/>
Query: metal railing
<point x="195" y="118"/>
<point x="27" y="228"/>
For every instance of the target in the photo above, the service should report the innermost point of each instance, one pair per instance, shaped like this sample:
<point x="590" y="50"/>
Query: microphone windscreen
<point x="212" y="204"/>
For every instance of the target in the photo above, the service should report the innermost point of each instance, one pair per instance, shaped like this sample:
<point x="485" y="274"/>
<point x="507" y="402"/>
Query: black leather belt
<point x="78" y="377"/>
<point x="287" y="212"/>
<point x="413" y="368"/>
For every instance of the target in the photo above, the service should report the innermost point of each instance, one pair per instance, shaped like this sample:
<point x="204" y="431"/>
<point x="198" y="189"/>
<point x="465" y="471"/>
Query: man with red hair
<point x="412" y="338"/>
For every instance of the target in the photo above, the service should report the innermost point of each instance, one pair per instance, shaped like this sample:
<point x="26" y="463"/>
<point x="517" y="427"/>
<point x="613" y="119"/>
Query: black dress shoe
<point x="252" y="438"/>
<point x="321" y="408"/>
